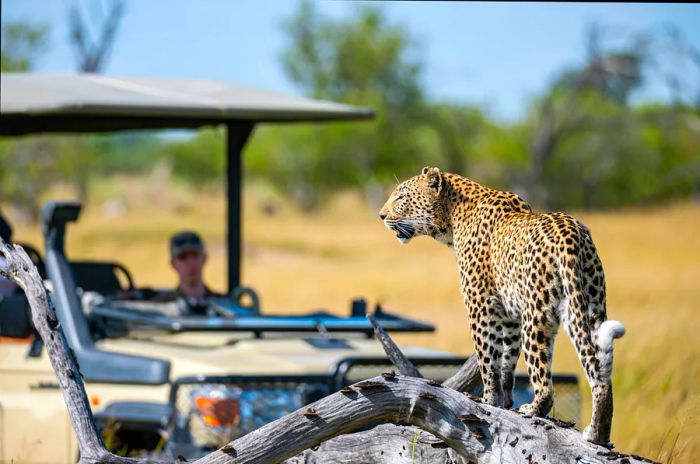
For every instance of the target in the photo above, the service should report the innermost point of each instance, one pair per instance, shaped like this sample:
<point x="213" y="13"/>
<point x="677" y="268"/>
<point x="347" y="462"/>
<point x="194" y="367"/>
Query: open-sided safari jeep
<point x="158" y="377"/>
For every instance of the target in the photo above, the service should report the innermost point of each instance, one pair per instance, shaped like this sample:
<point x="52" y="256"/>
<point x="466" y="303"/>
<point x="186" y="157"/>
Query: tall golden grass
<point x="300" y="262"/>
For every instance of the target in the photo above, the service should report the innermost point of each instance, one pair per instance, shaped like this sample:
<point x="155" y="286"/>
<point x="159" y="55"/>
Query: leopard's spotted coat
<point x="522" y="275"/>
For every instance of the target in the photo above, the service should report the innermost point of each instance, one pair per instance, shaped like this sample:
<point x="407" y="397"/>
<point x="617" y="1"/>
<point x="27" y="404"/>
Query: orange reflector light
<point x="218" y="412"/>
<point x="95" y="400"/>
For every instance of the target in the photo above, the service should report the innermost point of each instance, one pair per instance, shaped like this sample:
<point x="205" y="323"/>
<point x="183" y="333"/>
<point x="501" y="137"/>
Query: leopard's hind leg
<point x="584" y="320"/>
<point x="509" y="359"/>
<point x="582" y="327"/>
<point x="538" y="334"/>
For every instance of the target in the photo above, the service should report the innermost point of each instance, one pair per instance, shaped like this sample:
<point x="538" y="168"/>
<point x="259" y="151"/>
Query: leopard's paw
<point x="527" y="409"/>
<point x="593" y="435"/>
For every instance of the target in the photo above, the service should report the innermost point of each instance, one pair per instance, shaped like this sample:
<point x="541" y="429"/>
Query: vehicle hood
<point x="213" y="353"/>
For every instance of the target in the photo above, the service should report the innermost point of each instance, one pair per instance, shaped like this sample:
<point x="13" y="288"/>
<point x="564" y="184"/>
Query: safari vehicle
<point x="158" y="378"/>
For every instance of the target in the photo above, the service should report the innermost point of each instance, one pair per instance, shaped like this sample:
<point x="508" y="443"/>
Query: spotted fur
<point x="522" y="275"/>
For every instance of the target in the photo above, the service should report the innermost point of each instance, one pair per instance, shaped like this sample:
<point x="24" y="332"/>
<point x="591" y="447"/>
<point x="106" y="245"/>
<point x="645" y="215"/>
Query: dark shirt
<point x="207" y="293"/>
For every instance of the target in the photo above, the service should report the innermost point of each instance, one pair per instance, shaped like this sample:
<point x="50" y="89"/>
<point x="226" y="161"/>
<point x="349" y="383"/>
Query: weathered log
<point x="384" y="444"/>
<point x="475" y="432"/>
<point x="467" y="378"/>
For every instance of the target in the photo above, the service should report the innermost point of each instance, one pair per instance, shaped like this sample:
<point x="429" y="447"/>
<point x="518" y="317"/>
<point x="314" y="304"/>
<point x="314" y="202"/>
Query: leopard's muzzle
<point x="404" y="231"/>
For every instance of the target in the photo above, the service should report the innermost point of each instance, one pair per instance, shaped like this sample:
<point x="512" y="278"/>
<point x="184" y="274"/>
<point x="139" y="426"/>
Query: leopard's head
<point x="415" y="207"/>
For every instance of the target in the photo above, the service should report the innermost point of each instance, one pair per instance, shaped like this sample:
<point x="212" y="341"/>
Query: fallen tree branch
<point x="384" y="443"/>
<point x="477" y="432"/>
<point x="467" y="378"/>
<point x="474" y="431"/>
<point x="21" y="269"/>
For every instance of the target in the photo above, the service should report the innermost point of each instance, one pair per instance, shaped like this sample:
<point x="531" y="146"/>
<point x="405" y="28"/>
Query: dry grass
<point x="651" y="258"/>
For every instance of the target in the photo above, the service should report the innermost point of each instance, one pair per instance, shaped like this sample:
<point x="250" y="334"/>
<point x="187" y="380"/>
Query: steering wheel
<point x="192" y="306"/>
<point x="240" y="292"/>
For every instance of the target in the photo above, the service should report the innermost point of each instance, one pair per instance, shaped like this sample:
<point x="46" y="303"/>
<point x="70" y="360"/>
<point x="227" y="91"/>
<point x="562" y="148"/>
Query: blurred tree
<point x="93" y="31"/>
<point x="25" y="163"/>
<point x="363" y="61"/>
<point x="458" y="129"/>
<point x="198" y="160"/>
<point x="27" y="167"/>
<point x="22" y="42"/>
<point x="586" y="145"/>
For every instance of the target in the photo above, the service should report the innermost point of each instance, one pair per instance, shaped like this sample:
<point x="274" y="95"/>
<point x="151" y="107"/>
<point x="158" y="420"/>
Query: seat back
<point x="103" y="277"/>
<point x="95" y="365"/>
<point x="15" y="320"/>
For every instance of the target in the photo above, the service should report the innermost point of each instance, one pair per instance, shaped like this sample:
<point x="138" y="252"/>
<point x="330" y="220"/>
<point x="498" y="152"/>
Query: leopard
<point x="522" y="275"/>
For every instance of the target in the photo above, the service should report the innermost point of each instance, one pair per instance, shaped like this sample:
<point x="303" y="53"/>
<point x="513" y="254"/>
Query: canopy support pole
<point x="237" y="134"/>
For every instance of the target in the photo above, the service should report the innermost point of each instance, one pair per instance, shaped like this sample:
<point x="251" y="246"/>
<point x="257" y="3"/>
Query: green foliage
<point x="582" y="143"/>
<point x="29" y="165"/>
<point x="21" y="43"/>
<point x="125" y="152"/>
<point x="606" y="154"/>
<point x="198" y="160"/>
<point x="27" y="168"/>
<point x="365" y="61"/>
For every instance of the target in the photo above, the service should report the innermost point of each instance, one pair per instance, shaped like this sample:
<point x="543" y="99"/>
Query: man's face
<point x="189" y="265"/>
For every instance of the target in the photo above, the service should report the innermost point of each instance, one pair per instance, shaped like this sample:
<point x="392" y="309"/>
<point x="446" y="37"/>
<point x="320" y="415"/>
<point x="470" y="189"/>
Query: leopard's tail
<point x="607" y="332"/>
<point x="586" y="322"/>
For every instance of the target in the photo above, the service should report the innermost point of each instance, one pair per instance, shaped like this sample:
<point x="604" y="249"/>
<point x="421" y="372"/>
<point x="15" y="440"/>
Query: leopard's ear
<point x="425" y="170"/>
<point x="434" y="179"/>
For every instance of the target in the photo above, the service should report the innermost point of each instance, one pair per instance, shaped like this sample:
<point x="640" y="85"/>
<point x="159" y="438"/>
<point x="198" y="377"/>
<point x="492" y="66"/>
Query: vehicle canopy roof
<point x="64" y="102"/>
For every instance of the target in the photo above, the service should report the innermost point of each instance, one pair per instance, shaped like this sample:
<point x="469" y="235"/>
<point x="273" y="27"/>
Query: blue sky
<point x="496" y="55"/>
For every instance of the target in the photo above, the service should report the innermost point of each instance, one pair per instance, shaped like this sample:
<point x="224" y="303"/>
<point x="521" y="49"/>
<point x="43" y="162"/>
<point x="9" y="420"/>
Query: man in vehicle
<point x="187" y="257"/>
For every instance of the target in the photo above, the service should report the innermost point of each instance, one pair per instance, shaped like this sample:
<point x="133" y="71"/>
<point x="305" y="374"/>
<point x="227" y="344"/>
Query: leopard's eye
<point x="399" y="197"/>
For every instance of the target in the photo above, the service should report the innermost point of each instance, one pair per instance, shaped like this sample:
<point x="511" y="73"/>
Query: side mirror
<point x="15" y="320"/>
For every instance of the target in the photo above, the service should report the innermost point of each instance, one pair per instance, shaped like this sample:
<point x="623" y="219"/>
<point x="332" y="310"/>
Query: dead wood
<point x="395" y="355"/>
<point x="466" y="379"/>
<point x="386" y="443"/>
<point x="21" y="269"/>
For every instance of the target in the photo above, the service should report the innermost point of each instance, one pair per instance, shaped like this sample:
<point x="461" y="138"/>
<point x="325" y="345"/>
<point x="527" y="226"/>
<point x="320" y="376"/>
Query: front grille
<point x="257" y="401"/>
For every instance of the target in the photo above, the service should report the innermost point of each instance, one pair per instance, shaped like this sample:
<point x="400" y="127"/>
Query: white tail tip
<point x="607" y="332"/>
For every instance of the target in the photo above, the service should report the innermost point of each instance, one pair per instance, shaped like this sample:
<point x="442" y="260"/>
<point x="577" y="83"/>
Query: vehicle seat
<point x="15" y="316"/>
<point x="102" y="277"/>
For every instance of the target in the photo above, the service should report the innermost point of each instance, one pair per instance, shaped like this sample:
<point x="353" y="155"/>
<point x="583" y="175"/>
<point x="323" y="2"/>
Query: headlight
<point x="217" y="406"/>
<point x="218" y="413"/>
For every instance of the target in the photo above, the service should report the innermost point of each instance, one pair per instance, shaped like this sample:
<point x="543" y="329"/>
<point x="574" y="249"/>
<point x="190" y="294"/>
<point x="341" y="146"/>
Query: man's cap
<point x="185" y="241"/>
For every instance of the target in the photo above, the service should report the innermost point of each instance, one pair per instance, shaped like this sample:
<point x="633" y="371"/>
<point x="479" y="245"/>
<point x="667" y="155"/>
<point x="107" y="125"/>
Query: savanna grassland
<point x="299" y="262"/>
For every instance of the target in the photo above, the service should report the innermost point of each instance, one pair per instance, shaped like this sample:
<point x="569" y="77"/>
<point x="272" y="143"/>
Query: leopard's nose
<point x="382" y="216"/>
